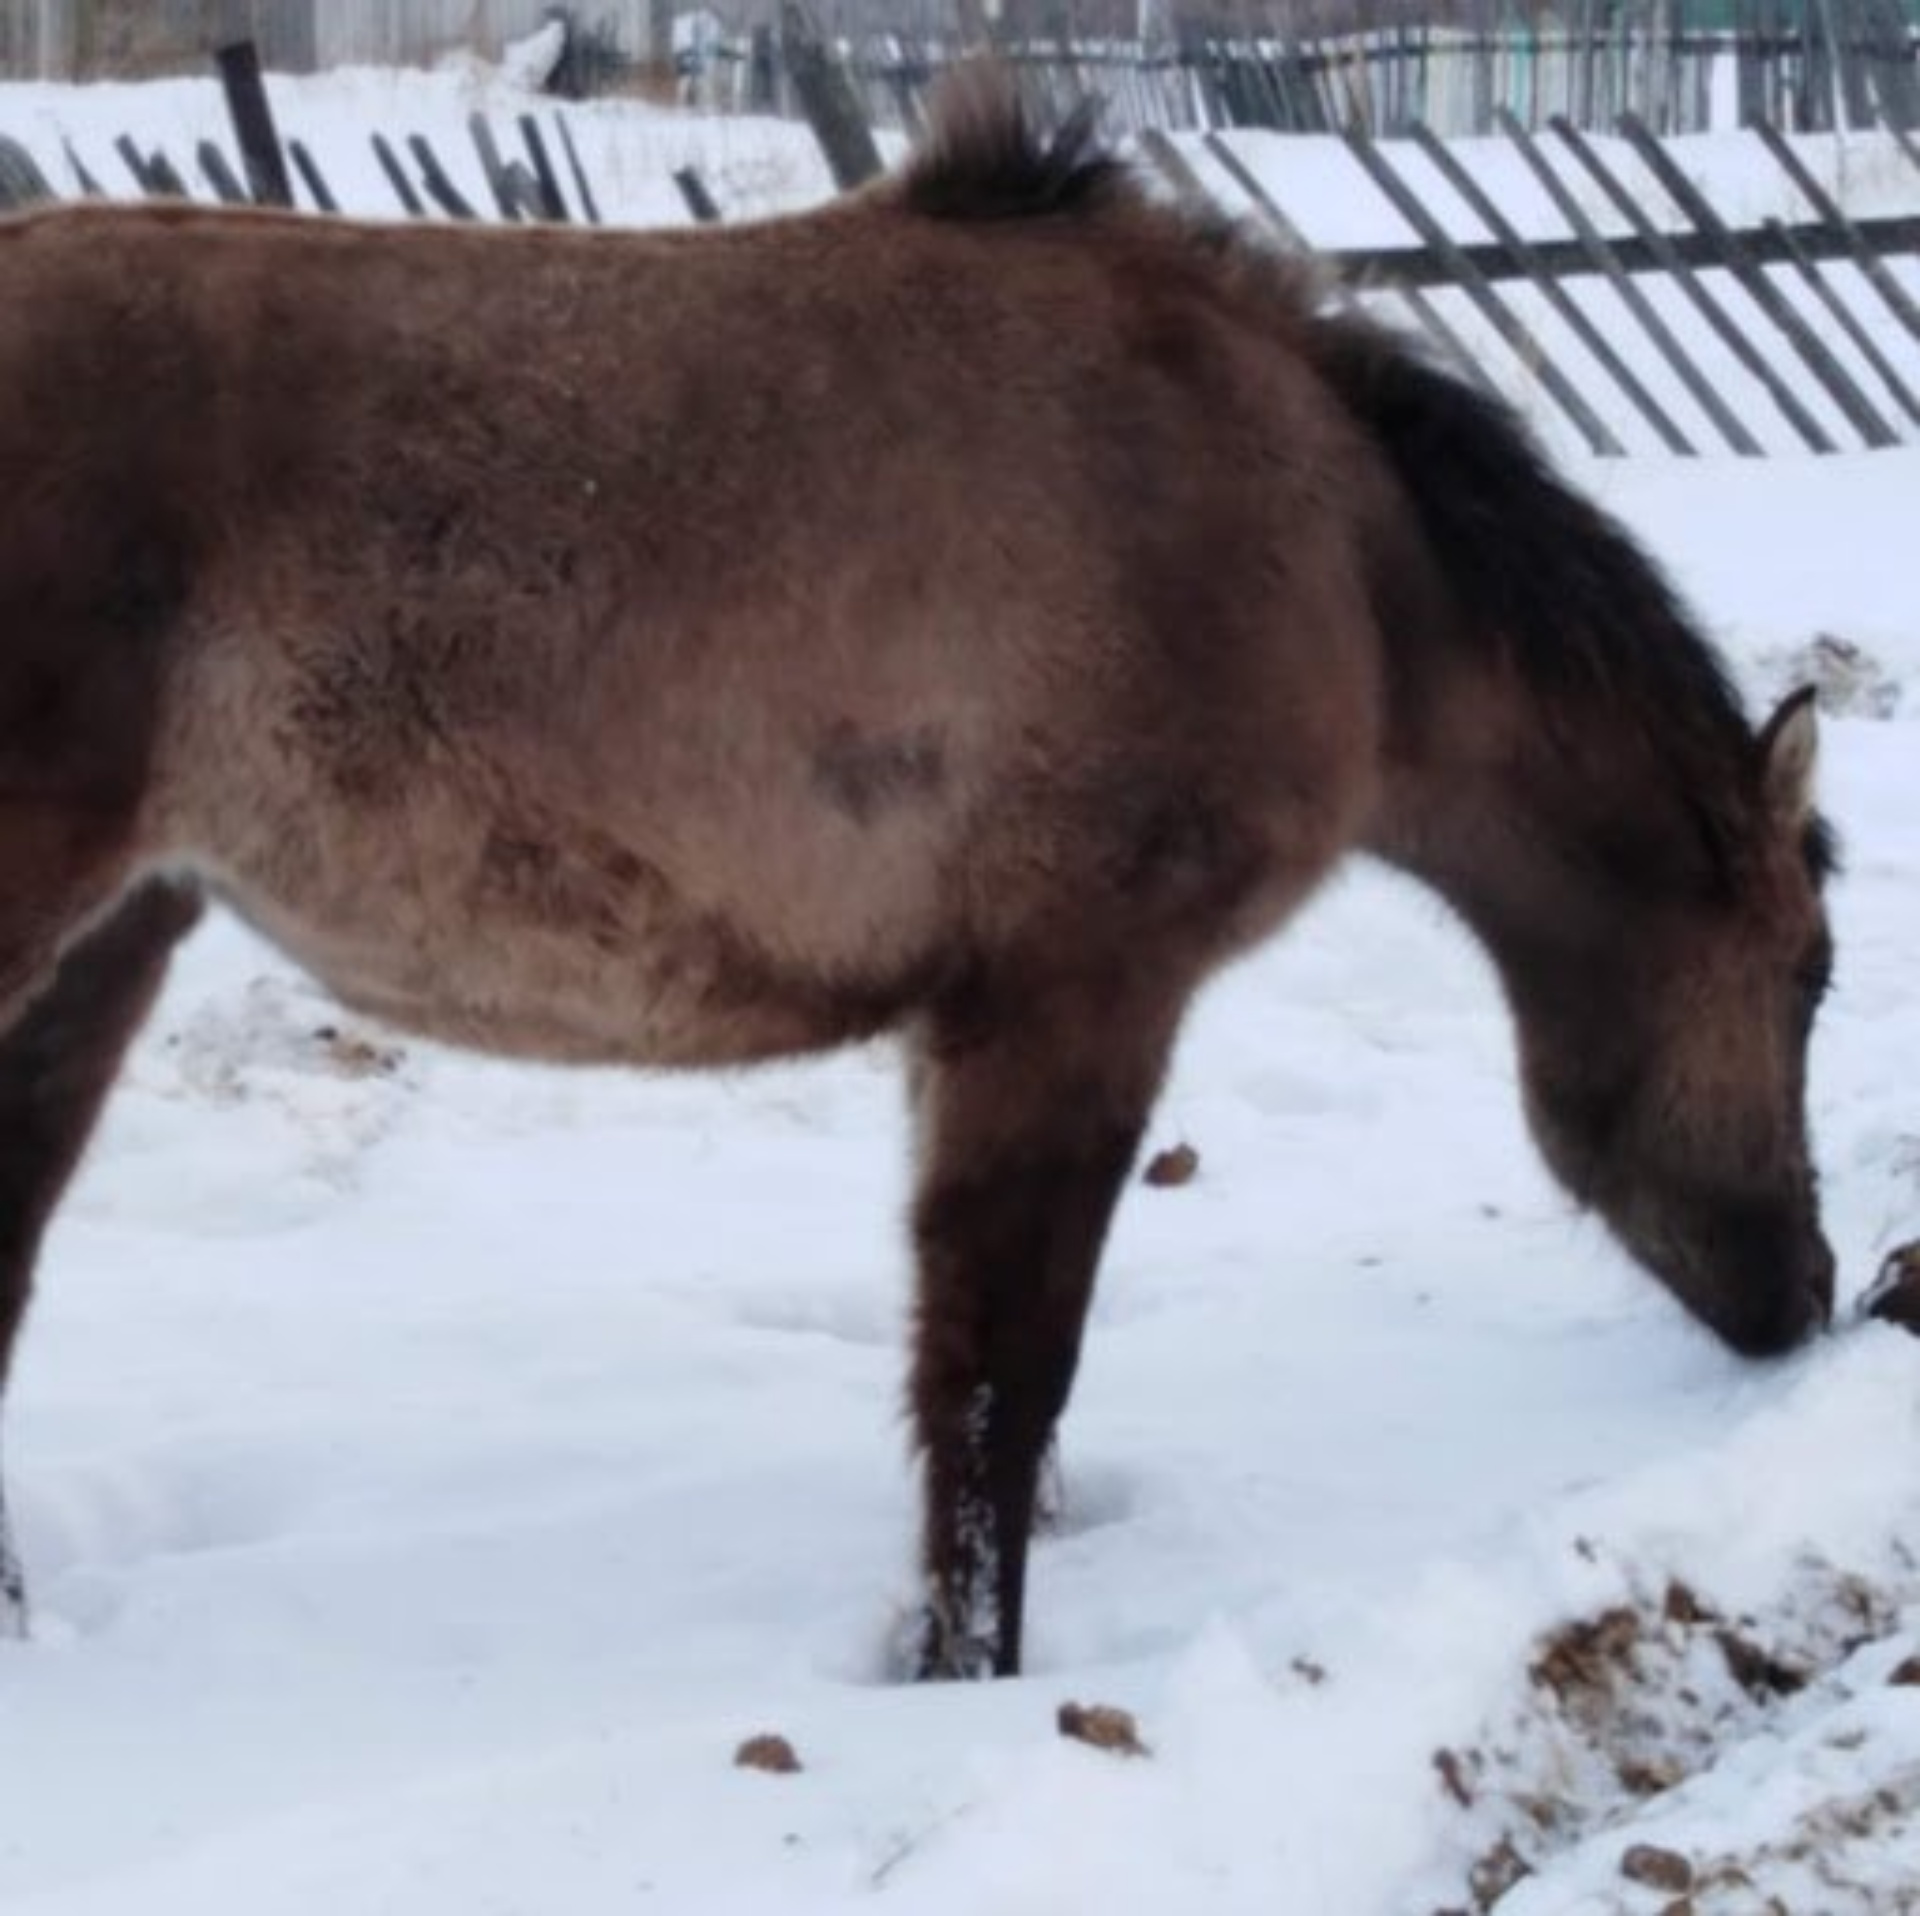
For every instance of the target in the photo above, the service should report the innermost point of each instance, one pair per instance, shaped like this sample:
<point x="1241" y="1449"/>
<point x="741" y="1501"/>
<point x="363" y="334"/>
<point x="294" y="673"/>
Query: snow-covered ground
<point x="431" y="1470"/>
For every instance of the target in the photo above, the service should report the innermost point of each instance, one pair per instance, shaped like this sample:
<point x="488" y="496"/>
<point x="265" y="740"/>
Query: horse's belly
<point x="566" y="943"/>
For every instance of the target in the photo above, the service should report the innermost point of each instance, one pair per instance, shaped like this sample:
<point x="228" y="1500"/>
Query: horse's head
<point x="1666" y="1084"/>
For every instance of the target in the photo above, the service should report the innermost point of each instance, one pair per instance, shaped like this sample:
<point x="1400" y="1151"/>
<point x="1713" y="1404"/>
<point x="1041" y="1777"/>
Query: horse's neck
<point x="1482" y="805"/>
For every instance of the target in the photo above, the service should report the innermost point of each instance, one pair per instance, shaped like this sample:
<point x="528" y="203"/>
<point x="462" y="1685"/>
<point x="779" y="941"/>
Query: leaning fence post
<point x="1527" y="260"/>
<point x="1525" y="346"/>
<point x="21" y="181"/>
<point x="693" y="189"/>
<point x="260" y="151"/>
<point x="827" y="99"/>
<point x="1606" y="261"/>
<point x="1812" y="433"/>
<point x="1854" y="404"/>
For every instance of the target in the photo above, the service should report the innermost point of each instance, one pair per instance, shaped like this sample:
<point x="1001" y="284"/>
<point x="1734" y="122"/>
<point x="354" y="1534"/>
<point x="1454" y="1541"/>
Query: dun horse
<point x="972" y="612"/>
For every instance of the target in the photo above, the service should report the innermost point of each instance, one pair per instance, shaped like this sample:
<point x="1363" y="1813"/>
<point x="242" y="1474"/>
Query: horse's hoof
<point x="1894" y="1296"/>
<point x="947" y="1655"/>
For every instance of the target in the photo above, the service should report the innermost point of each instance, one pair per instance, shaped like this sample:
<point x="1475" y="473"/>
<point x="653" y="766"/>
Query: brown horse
<point x="972" y="611"/>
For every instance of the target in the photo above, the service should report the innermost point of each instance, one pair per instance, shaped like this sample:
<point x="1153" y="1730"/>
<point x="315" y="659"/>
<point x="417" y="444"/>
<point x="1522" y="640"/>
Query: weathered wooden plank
<point x="83" y="175"/>
<point x="440" y="186"/>
<point x="1848" y="321"/>
<point x="1518" y="336"/>
<point x="1523" y="256"/>
<point x="828" y="99"/>
<point x="1605" y="261"/>
<point x="582" y="186"/>
<point x="252" y="113"/>
<point x="1859" y="410"/>
<point x="1892" y="293"/>
<point x="228" y="187"/>
<point x="693" y="189"/>
<point x="169" y="183"/>
<point x="1810" y="430"/>
<point x="314" y="180"/>
<point x="506" y="201"/>
<point x="397" y="178"/>
<point x="153" y="173"/>
<point x="553" y="203"/>
<point x="21" y="181"/>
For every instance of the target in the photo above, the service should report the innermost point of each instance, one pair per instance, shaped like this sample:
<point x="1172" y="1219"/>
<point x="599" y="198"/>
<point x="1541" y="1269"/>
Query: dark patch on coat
<point x="866" y="774"/>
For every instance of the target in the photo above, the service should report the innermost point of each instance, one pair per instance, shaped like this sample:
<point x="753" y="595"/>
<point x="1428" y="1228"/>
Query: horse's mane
<point x="1578" y="609"/>
<point x="983" y="156"/>
<point x="1582" y="609"/>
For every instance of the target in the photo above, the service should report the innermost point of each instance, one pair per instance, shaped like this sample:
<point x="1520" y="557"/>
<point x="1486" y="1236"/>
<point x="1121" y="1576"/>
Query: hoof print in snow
<point x="1102" y="1726"/>
<point x="1502" y="1868"/>
<point x="773" y="1754"/>
<point x="355" y="1057"/>
<point x="1657" y="1868"/>
<point x="1168" y="1170"/>
<point x="1894" y="1297"/>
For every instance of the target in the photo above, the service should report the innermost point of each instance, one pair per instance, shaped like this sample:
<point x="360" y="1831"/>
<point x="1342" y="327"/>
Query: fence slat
<point x="1803" y="422"/>
<point x="396" y="174"/>
<point x="506" y="201"/>
<point x="693" y="189"/>
<point x="1823" y="203"/>
<point x="1606" y="261"/>
<point x="440" y="186"/>
<point x="553" y="203"/>
<point x="21" y="181"/>
<point x="1860" y="411"/>
<point x="317" y="188"/>
<point x="1550" y="289"/>
<point x="1844" y="317"/>
<point x="582" y="187"/>
<point x="246" y="93"/>
<point x="1518" y="336"/>
<point x="228" y="188"/>
<point x="827" y="98"/>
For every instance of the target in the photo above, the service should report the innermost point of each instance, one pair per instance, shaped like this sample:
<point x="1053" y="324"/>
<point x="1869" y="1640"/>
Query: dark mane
<point x="1581" y="610"/>
<point x="983" y="157"/>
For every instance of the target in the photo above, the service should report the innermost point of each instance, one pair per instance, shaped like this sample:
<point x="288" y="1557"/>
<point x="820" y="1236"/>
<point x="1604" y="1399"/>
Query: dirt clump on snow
<point x="772" y="1754"/>
<point x="1625" y="1706"/>
<point x="1169" y="1169"/>
<point x="1102" y="1726"/>
<point x="1894" y="1297"/>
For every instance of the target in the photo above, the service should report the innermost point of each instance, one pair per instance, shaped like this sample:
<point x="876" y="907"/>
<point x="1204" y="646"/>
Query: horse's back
<point x="642" y="647"/>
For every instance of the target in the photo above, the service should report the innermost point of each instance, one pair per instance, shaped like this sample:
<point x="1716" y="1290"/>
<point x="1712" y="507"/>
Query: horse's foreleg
<point x="58" y="1060"/>
<point x="1029" y="1123"/>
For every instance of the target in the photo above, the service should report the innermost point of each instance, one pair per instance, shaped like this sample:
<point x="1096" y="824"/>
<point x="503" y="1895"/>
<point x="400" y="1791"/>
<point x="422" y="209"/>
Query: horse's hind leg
<point x="1030" y="1119"/>
<point x="58" y="1060"/>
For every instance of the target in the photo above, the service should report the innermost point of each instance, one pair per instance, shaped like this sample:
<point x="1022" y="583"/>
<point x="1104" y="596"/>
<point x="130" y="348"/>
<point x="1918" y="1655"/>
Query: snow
<point x="430" y="1470"/>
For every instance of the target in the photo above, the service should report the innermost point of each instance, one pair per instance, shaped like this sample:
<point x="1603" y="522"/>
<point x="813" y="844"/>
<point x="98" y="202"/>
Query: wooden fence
<point x="65" y="39"/>
<point x="1678" y="64"/>
<point x="1681" y="332"/>
<point x="1854" y="65"/>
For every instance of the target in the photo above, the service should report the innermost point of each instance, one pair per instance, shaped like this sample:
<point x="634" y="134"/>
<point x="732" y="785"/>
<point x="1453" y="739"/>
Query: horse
<point x="970" y="612"/>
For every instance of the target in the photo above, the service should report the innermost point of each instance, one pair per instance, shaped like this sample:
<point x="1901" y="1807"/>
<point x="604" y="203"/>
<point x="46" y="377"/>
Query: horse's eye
<point x="1816" y="980"/>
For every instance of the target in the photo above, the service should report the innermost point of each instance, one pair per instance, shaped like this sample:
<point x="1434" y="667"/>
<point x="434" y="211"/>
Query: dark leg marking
<point x="1030" y="1126"/>
<point x="57" y="1063"/>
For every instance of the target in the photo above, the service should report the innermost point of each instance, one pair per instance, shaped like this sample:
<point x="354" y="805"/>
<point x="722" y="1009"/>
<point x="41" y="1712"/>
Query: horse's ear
<point x="1789" y="751"/>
